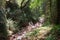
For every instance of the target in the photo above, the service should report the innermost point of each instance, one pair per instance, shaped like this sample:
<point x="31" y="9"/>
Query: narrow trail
<point x="22" y="35"/>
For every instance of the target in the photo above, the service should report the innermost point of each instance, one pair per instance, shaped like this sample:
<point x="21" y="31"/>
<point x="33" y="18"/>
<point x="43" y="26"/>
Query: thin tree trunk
<point x="53" y="16"/>
<point x="58" y="11"/>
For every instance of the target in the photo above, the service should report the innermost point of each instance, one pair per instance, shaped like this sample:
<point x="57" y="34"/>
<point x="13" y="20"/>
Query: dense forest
<point x="29" y="20"/>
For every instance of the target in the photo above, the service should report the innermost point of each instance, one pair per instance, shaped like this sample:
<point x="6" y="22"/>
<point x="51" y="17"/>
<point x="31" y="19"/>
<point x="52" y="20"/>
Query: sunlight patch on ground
<point x="39" y="33"/>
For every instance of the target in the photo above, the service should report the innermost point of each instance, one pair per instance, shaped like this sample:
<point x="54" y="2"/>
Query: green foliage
<point x="57" y="27"/>
<point x="47" y="23"/>
<point x="3" y="29"/>
<point x="54" y="33"/>
<point x="18" y="2"/>
<point x="35" y="3"/>
<point x="33" y="33"/>
<point x="51" y="37"/>
<point x="29" y="13"/>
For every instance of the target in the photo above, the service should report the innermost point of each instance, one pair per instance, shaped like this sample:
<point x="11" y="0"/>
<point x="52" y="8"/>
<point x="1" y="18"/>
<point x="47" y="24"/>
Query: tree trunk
<point x="58" y="11"/>
<point x="53" y="16"/>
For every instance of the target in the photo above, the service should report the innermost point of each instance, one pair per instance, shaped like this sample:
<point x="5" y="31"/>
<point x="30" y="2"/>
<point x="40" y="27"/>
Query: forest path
<point x="25" y="33"/>
<point x="32" y="30"/>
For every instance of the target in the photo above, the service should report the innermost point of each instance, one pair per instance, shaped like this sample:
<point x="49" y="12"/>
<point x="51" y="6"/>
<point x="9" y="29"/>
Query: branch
<point x="24" y="5"/>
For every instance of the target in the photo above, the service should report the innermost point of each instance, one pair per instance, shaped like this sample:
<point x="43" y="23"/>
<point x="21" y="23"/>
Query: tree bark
<point x="53" y="15"/>
<point x="58" y="11"/>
